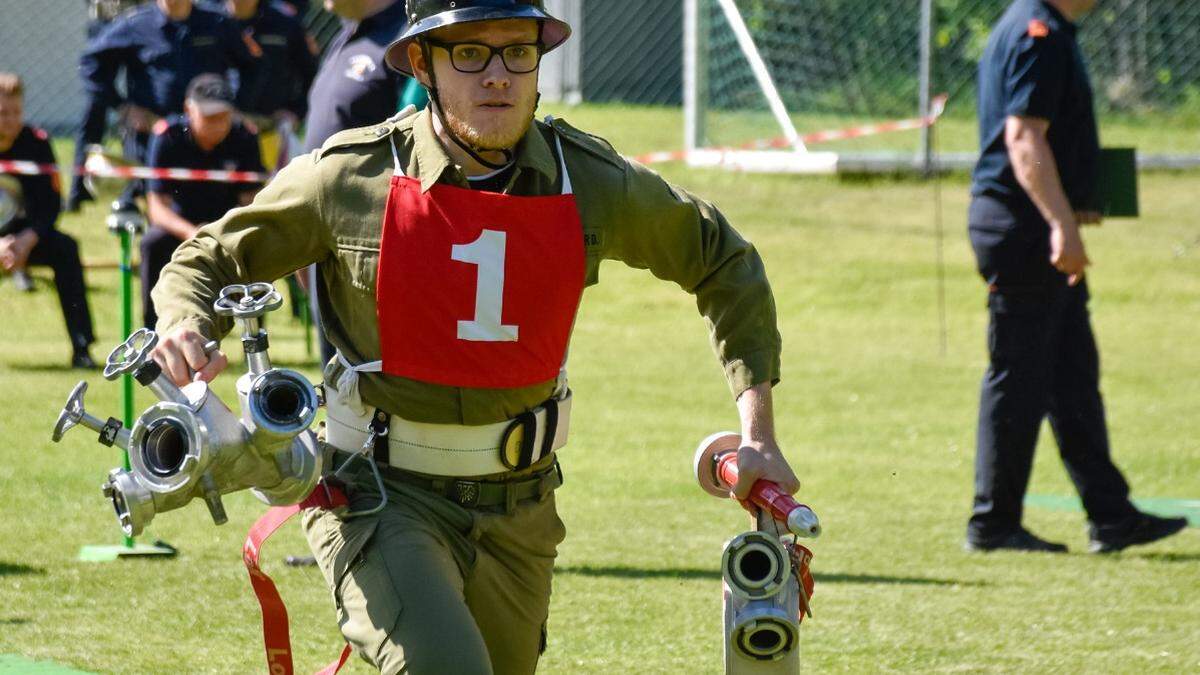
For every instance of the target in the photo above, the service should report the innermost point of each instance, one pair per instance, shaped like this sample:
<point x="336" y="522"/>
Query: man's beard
<point x="485" y="139"/>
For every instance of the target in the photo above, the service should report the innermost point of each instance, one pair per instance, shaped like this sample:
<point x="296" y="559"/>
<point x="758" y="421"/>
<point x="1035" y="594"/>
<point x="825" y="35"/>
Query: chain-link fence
<point x="838" y="62"/>
<point x="832" y="59"/>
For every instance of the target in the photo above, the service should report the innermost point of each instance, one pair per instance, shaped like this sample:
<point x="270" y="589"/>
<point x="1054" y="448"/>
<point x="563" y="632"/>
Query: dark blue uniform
<point x="199" y="202"/>
<point x="41" y="203"/>
<point x="353" y="87"/>
<point x="159" y="58"/>
<point x="286" y="68"/>
<point x="1043" y="357"/>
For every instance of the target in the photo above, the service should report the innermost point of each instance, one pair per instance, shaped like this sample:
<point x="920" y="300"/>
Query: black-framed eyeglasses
<point x="475" y="57"/>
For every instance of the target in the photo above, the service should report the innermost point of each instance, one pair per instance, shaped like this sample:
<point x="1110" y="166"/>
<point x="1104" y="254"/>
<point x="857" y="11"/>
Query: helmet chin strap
<point x="474" y="152"/>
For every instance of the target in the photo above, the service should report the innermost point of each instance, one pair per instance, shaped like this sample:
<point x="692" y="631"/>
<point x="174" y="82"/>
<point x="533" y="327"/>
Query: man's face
<point x="1084" y="6"/>
<point x="491" y="109"/>
<point x="351" y="9"/>
<point x="241" y="8"/>
<point x="176" y="9"/>
<point x="12" y="118"/>
<point x="208" y="130"/>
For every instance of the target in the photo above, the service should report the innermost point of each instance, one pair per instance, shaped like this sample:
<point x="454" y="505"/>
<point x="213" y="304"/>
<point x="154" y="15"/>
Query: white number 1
<point x="488" y="253"/>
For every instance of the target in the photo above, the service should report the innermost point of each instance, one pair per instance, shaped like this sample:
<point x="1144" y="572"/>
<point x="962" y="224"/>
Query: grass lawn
<point x="877" y="422"/>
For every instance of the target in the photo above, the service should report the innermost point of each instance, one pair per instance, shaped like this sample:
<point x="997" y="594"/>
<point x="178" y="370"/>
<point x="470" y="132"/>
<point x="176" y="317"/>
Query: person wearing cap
<point x="1034" y="187"/>
<point x="29" y="209"/>
<point x="209" y="135"/>
<point x="276" y="96"/>
<point x="455" y="244"/>
<point x="159" y="48"/>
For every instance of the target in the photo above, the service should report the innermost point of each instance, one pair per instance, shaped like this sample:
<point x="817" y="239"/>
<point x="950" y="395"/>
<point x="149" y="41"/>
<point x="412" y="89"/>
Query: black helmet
<point x="428" y="15"/>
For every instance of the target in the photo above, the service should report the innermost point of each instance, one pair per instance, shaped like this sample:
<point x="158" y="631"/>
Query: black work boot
<point x="1019" y="540"/>
<point x="1141" y="528"/>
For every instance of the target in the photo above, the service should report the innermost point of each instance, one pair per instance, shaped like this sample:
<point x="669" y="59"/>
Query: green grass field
<point x="878" y="424"/>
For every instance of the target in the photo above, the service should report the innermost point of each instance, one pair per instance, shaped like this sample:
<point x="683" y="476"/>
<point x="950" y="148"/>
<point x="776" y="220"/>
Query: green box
<point x="1117" y="188"/>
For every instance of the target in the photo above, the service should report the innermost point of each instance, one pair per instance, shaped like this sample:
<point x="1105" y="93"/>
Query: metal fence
<point x="857" y="58"/>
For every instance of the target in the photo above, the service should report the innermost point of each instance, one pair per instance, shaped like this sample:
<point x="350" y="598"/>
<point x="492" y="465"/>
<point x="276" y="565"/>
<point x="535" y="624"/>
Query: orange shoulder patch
<point x="161" y="126"/>
<point x="1038" y="29"/>
<point x="251" y="45"/>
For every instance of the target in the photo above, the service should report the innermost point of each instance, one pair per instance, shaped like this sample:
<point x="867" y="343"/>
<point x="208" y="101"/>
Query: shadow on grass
<point x="63" y="367"/>
<point x="623" y="572"/>
<point x="15" y="621"/>
<point x="1168" y="557"/>
<point x="14" y="569"/>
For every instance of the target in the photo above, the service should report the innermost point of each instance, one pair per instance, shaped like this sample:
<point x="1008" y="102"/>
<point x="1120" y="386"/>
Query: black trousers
<point x="157" y="248"/>
<point x="1043" y="364"/>
<point x="60" y="252"/>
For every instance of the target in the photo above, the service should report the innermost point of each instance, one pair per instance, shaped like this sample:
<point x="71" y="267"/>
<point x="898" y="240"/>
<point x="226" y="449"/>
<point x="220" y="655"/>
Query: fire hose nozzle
<point x="716" y="471"/>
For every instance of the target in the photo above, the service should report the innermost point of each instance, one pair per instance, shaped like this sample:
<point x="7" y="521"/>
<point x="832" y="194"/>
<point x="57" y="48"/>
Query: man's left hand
<point x="763" y="460"/>
<point x="15" y="249"/>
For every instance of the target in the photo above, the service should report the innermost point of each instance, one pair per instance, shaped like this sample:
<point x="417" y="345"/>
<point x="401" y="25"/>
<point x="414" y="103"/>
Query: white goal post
<point x="697" y="26"/>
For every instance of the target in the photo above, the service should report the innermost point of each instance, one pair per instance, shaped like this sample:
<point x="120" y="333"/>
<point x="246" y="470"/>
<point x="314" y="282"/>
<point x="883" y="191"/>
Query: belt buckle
<point x="466" y="492"/>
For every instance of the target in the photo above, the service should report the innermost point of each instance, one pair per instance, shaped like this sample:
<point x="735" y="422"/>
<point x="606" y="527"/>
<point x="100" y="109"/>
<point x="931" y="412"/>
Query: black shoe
<point x="76" y="199"/>
<point x="1021" y="540"/>
<point x="83" y="361"/>
<point x="1141" y="528"/>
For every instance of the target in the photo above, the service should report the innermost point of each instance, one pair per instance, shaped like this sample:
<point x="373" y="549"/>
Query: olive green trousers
<point x="429" y="587"/>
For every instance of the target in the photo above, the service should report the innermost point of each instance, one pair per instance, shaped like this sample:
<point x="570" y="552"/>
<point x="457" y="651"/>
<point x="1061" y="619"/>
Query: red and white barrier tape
<point x="936" y="108"/>
<point x="35" y="169"/>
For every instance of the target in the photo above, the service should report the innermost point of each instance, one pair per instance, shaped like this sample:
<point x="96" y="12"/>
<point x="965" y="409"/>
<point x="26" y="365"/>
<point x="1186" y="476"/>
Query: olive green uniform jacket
<point x="327" y="208"/>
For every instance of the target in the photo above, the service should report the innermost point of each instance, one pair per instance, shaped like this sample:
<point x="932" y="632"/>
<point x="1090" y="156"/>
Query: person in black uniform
<point x="207" y="136"/>
<point x="160" y="47"/>
<point x="1033" y="188"/>
<point x="278" y="91"/>
<point x="29" y="237"/>
<point x="353" y="89"/>
<point x="103" y="12"/>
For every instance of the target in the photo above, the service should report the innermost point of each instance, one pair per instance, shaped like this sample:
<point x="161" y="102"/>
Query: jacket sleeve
<point x="98" y="66"/>
<point x="681" y="238"/>
<point x="43" y="197"/>
<point x="304" y="65"/>
<point x="279" y="232"/>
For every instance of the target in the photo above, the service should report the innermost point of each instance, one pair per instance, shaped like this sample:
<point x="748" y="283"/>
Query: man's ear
<point x="416" y="58"/>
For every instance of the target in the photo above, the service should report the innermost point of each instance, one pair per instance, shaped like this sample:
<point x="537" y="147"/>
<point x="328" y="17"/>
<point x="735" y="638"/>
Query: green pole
<point x="126" y="329"/>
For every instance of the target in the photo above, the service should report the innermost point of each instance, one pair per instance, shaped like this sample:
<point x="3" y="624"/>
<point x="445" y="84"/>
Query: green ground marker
<point x="108" y="553"/>
<point x="1159" y="506"/>
<point x="11" y="664"/>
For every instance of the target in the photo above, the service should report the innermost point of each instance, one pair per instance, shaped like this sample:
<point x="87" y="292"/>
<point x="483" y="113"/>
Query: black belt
<point x="476" y="493"/>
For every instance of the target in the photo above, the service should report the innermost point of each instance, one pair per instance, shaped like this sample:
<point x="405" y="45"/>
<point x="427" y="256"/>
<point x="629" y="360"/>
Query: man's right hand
<point x="181" y="355"/>
<point x="1066" y="251"/>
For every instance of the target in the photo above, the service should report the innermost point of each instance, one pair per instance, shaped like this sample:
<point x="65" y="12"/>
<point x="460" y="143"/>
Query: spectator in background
<point x="102" y="12"/>
<point x="29" y="238"/>
<point x="1034" y="186"/>
<point x="207" y="136"/>
<point x="277" y="94"/>
<point x="353" y="88"/>
<point x="159" y="47"/>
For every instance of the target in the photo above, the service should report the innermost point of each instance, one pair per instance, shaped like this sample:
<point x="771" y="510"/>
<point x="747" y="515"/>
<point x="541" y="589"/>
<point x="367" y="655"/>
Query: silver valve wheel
<point x="72" y="413"/>
<point x="131" y="354"/>
<point x="248" y="301"/>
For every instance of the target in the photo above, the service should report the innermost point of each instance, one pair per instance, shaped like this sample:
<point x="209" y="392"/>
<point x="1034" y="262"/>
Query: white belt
<point x="457" y="450"/>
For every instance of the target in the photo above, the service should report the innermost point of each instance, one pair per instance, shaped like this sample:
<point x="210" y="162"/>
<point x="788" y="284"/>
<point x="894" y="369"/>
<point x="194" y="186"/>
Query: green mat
<point x="11" y="664"/>
<point x="1160" y="506"/>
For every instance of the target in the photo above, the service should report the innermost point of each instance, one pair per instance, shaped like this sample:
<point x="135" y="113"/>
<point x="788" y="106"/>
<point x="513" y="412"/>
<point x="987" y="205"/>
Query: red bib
<point x="477" y="289"/>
